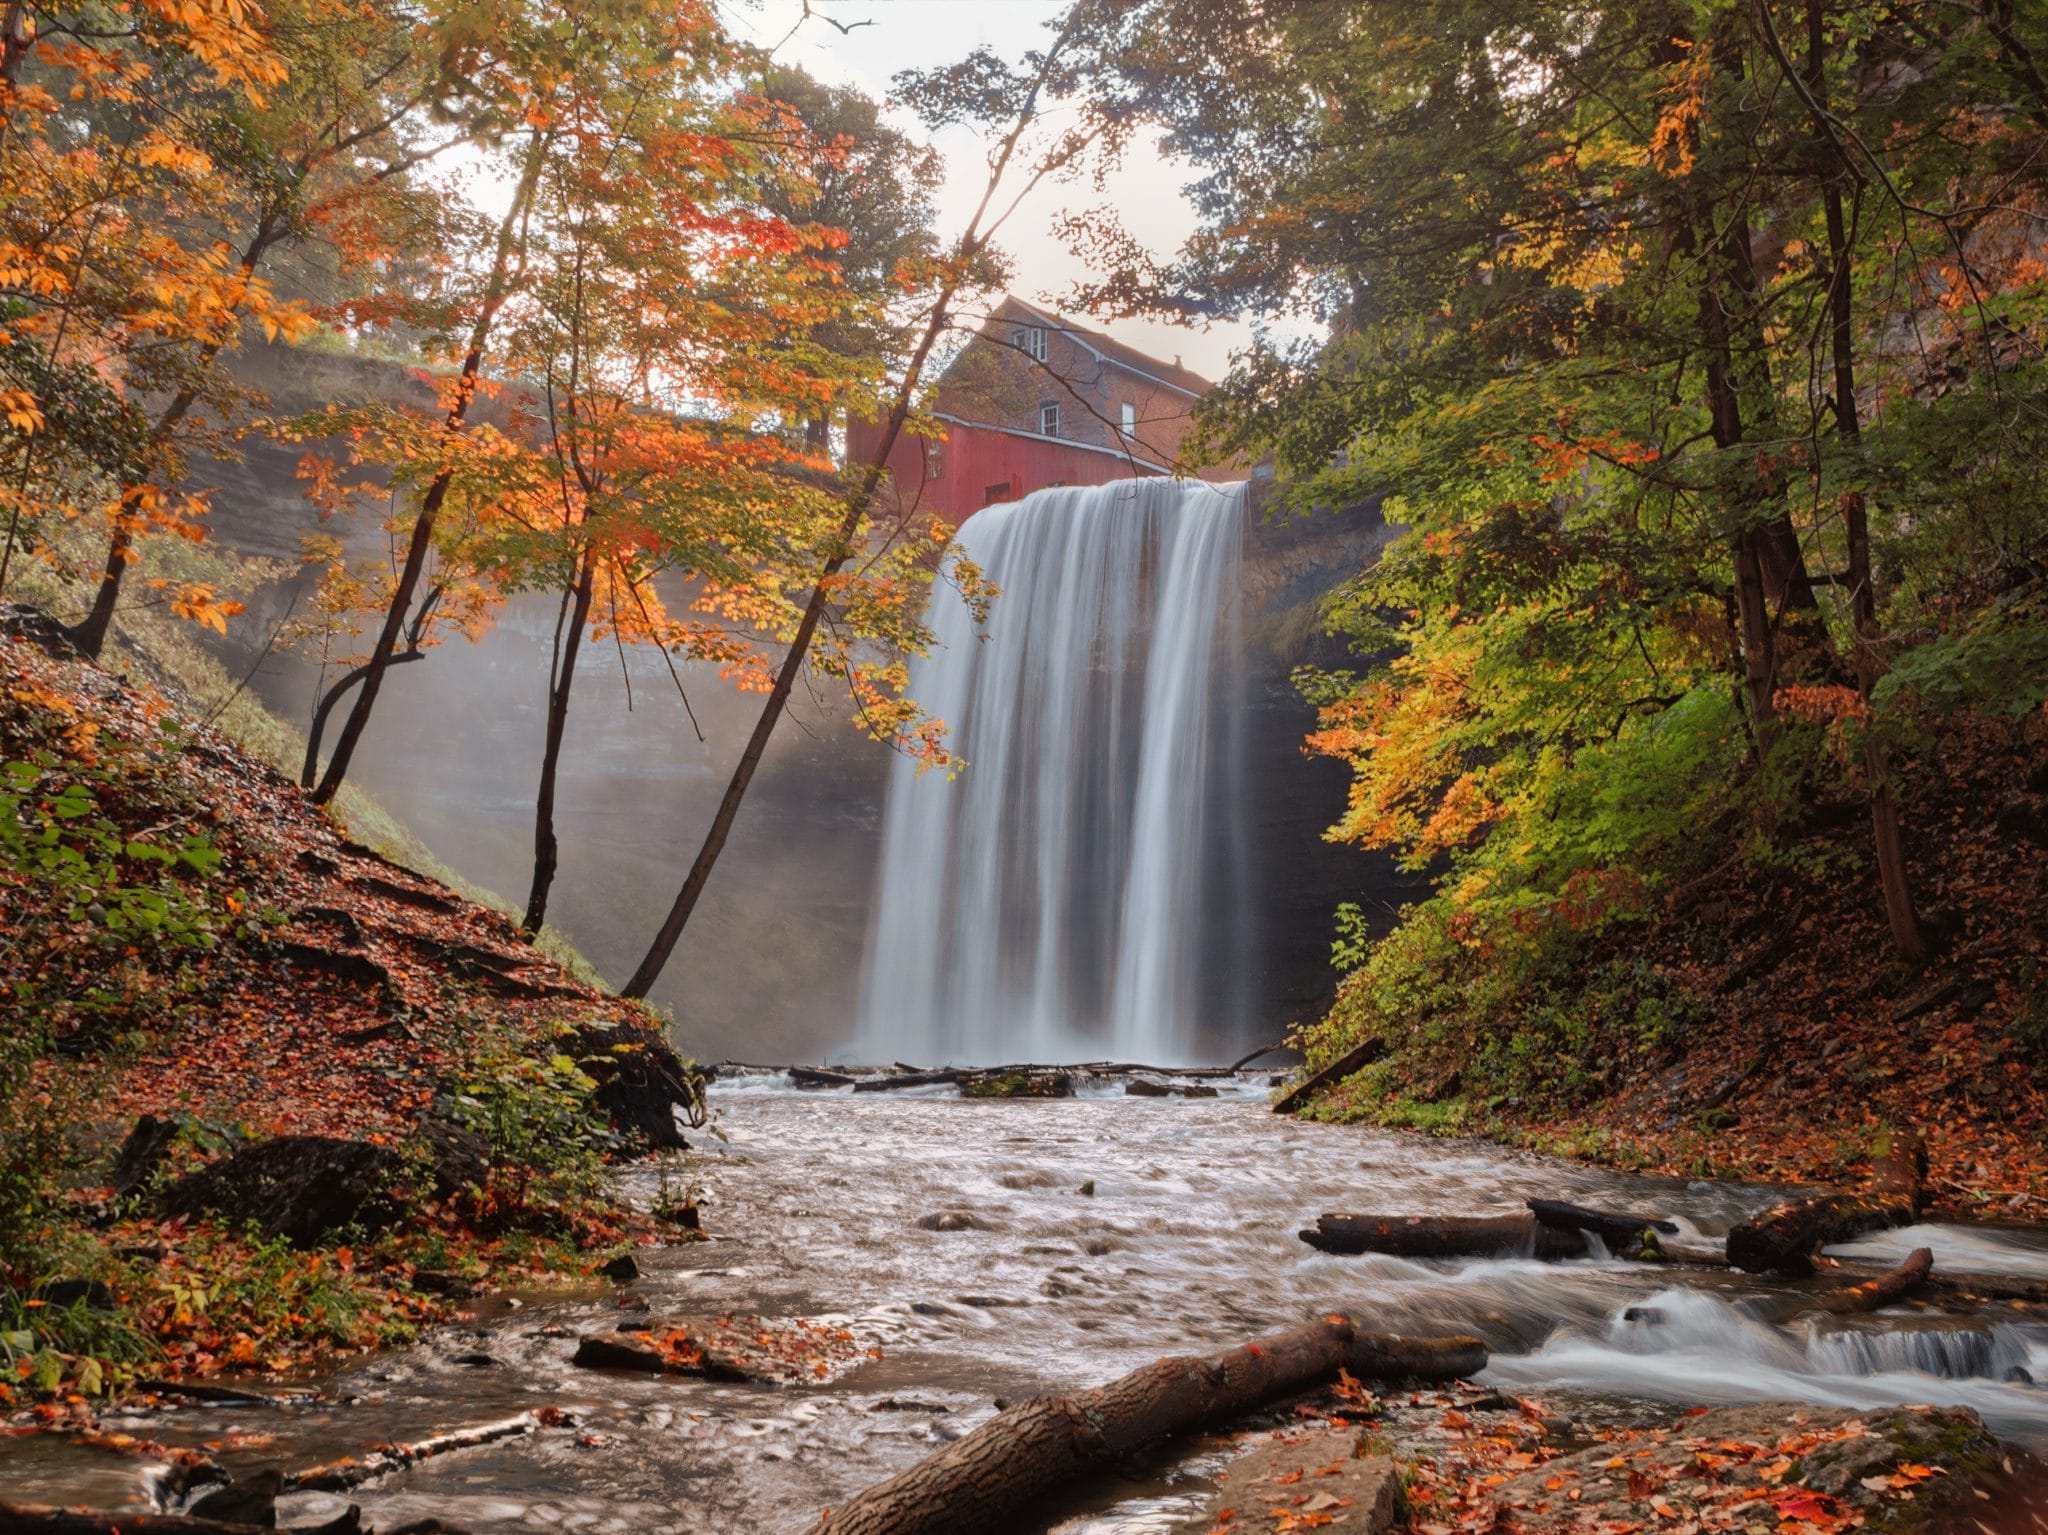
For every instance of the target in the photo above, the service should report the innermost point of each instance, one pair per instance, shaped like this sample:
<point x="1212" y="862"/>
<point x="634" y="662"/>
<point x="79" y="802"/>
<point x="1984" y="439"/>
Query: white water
<point x="1054" y="901"/>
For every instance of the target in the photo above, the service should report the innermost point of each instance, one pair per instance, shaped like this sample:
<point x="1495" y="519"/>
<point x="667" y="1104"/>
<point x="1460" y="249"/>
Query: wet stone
<point x="953" y="1220"/>
<point x="1295" y="1480"/>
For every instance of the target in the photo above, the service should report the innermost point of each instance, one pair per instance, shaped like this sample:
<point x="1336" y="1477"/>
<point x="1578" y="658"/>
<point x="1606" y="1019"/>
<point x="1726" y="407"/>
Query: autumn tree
<point x="1011" y="106"/>
<point x="874" y="185"/>
<point x="111" y="279"/>
<point x="1687" y="341"/>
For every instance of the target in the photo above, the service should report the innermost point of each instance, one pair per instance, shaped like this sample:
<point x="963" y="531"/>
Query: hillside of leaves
<point x="1754" y="1020"/>
<point x="1700" y="349"/>
<point x="184" y="935"/>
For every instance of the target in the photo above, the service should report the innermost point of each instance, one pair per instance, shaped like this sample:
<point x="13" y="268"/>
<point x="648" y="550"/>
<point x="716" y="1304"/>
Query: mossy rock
<point x="1017" y="1084"/>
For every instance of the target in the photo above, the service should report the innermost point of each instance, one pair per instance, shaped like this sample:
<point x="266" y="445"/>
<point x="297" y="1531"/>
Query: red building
<point x="1035" y="400"/>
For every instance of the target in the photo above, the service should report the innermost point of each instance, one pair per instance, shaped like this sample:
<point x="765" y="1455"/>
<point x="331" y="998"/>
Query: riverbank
<point x="983" y="1251"/>
<point x="1755" y="1022"/>
<point x="287" y="1098"/>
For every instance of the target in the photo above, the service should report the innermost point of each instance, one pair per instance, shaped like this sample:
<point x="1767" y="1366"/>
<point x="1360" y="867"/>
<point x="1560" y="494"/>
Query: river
<point x="823" y="1204"/>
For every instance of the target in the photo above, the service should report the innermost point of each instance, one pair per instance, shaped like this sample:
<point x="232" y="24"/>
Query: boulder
<point x="299" y="1187"/>
<point x="143" y="1153"/>
<point x="641" y="1088"/>
<point x="461" y="1157"/>
<point x="1293" y="1480"/>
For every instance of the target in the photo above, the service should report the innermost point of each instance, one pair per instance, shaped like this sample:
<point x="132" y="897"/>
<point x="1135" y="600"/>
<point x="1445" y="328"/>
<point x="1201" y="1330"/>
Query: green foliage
<point x="537" y="1115"/>
<point x="1996" y="663"/>
<point x="77" y="1345"/>
<point x="45" y="1098"/>
<point x="54" y="832"/>
<point x="1662" y="528"/>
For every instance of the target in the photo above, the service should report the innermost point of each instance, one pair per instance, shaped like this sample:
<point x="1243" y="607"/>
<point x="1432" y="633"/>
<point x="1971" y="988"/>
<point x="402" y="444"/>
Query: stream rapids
<point x="823" y="1204"/>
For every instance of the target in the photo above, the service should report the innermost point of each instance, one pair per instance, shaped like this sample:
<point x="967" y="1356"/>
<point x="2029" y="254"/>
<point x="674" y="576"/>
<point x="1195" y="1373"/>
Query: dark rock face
<point x="300" y="1187"/>
<point x="642" y="1090"/>
<point x="462" y="1160"/>
<point x="143" y="1152"/>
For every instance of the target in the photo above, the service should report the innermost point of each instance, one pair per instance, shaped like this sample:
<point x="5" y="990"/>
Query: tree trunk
<point x="1893" y="879"/>
<point x="973" y="243"/>
<point x="309" y="766"/>
<point x="992" y="1476"/>
<point x="559" y="684"/>
<point x="496" y="290"/>
<point x="90" y="636"/>
<point x="1443" y="1236"/>
<point x="1784" y="1238"/>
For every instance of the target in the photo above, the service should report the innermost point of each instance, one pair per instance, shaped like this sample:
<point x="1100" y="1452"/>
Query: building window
<point x="1030" y="340"/>
<point x="1049" y="419"/>
<point x="995" y="493"/>
<point x="1130" y="419"/>
<point x="934" y="463"/>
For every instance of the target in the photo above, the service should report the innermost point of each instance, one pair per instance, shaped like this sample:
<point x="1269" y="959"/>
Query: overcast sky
<point x="918" y="34"/>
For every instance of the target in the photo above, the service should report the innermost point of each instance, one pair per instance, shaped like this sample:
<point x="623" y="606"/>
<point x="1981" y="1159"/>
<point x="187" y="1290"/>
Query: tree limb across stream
<point x="994" y="1474"/>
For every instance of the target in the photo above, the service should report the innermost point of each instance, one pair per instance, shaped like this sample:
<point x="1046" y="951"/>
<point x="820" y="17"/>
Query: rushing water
<point x="1053" y="901"/>
<point x="819" y="1205"/>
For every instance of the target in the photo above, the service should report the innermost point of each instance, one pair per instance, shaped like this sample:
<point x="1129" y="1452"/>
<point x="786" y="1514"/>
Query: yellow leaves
<point x="201" y="604"/>
<point x="1674" y="141"/>
<point x="160" y="151"/>
<point x="18" y="406"/>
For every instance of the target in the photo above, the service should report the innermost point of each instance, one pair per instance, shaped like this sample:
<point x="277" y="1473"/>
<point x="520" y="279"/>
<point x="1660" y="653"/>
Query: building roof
<point x="1110" y="350"/>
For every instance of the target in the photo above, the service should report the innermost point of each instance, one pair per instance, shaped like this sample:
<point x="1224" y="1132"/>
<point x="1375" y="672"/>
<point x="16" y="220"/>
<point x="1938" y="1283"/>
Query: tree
<point x="981" y="90"/>
<point x="1598" y="286"/>
<point x="322" y="155"/>
<point x="109" y="276"/>
<point x="872" y="184"/>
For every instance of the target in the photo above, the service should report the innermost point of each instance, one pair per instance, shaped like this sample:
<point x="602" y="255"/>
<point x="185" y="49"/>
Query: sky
<point x="918" y="34"/>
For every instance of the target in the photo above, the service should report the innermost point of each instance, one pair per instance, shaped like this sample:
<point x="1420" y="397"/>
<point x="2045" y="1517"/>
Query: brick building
<point x="1034" y="400"/>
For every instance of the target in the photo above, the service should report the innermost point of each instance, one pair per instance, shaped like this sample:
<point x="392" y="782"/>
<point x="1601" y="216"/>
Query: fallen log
<point x="1016" y="1083"/>
<point x="1355" y="1059"/>
<point x="1870" y="1293"/>
<point x="817" y="1076"/>
<point x="996" y="1473"/>
<point x="1147" y="1087"/>
<point x="1245" y="1060"/>
<point x="904" y="1079"/>
<point x="1784" y="1238"/>
<point x="1625" y="1235"/>
<point x="1444" y="1236"/>
<point x="1874" y="1294"/>
<point x="383" y="1459"/>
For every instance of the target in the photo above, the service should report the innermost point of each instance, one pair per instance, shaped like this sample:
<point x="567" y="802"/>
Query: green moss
<point x="1015" y="1084"/>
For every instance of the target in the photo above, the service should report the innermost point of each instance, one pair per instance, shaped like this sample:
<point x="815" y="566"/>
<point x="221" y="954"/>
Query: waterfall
<point x="1076" y="891"/>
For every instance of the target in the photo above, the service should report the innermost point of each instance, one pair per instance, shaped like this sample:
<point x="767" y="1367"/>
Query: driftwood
<point x="1625" y="1235"/>
<point x="383" y="1459"/>
<point x="1443" y="1236"/>
<point x="995" y="1474"/>
<point x="1784" y="1238"/>
<point x="1355" y="1059"/>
